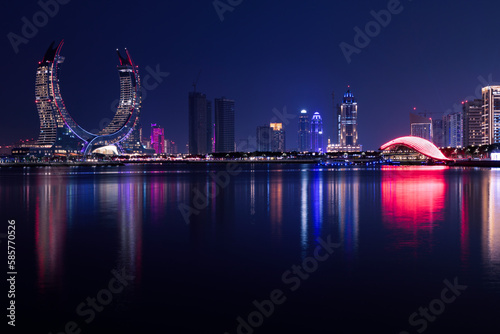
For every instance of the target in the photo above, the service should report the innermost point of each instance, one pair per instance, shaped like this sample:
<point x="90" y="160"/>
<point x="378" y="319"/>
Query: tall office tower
<point x="264" y="138"/>
<point x="304" y="132"/>
<point x="277" y="137"/>
<point x="421" y="126"/>
<point x="53" y="131"/>
<point x="438" y="132"/>
<point x="200" y="124"/>
<point x="491" y="115"/>
<point x="224" y="125"/>
<point x="453" y="130"/>
<point x="210" y="129"/>
<point x="472" y="118"/>
<point x="157" y="139"/>
<point x="348" y="121"/>
<point x="317" y="133"/>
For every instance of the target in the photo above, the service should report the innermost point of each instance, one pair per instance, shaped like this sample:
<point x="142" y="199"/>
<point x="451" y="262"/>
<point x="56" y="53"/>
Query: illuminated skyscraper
<point x="317" y="133"/>
<point x="277" y="137"/>
<point x="473" y="128"/>
<point x="491" y="115"/>
<point x="347" y="126"/>
<point x="54" y="134"/>
<point x="349" y="121"/>
<point x="304" y="139"/>
<point x="224" y="125"/>
<point x="453" y="130"/>
<point x="127" y="86"/>
<point x="421" y="126"/>
<point x="129" y="100"/>
<point x="158" y="139"/>
<point x="200" y="124"/>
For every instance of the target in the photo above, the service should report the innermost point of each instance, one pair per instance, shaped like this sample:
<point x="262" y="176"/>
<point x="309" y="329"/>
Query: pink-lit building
<point x="157" y="139"/>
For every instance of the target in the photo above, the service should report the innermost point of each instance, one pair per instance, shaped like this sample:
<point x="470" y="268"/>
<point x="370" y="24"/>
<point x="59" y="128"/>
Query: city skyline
<point x="248" y="167"/>
<point x="303" y="81"/>
<point x="215" y="133"/>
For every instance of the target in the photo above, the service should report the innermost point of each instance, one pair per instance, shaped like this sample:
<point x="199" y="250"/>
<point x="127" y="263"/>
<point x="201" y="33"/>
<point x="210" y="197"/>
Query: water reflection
<point x="343" y="205"/>
<point x="317" y="202"/>
<point x="130" y="210"/>
<point x="276" y="202"/>
<point x="493" y="238"/>
<point x="413" y="203"/>
<point x="60" y="201"/>
<point x="252" y="192"/>
<point x="304" y="211"/>
<point x="50" y="230"/>
<point x="420" y="209"/>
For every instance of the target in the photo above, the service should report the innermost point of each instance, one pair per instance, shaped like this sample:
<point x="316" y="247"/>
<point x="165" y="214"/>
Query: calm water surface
<point x="399" y="233"/>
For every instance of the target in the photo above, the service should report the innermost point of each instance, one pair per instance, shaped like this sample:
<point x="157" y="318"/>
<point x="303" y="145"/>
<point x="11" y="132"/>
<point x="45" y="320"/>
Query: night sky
<point x="264" y="55"/>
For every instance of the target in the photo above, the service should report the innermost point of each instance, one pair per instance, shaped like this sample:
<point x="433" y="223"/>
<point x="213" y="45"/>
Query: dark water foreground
<point x="254" y="249"/>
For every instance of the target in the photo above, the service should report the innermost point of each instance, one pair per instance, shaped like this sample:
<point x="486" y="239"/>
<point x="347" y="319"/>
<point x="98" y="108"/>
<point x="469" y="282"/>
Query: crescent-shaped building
<point x="59" y="131"/>
<point x="418" y="144"/>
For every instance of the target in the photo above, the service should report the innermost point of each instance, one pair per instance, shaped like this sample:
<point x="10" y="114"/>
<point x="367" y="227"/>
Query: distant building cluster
<point x="478" y="123"/>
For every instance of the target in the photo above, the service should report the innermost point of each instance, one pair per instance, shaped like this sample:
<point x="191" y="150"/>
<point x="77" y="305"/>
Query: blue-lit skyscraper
<point x="304" y="132"/>
<point x="317" y="133"/>
<point x="453" y="130"/>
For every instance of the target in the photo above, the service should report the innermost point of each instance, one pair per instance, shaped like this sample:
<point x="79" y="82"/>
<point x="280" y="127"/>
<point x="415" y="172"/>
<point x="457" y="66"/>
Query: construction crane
<point x="196" y="81"/>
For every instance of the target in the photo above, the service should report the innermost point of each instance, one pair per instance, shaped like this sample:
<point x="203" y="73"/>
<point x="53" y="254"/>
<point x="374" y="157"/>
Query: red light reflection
<point x="413" y="200"/>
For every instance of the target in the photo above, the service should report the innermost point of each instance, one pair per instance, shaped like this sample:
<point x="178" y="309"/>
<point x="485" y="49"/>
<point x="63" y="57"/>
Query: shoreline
<point x="460" y="163"/>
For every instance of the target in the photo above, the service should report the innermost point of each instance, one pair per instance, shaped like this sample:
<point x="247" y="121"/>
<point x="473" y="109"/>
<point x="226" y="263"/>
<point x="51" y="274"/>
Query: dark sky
<point x="264" y="55"/>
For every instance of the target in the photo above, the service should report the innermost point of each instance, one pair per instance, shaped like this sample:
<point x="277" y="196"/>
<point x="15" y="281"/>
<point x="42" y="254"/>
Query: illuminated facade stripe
<point x="418" y="144"/>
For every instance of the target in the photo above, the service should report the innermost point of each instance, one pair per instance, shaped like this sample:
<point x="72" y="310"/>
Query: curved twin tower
<point x="58" y="130"/>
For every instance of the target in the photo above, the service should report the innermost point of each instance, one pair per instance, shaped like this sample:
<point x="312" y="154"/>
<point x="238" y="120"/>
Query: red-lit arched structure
<point x="418" y="144"/>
